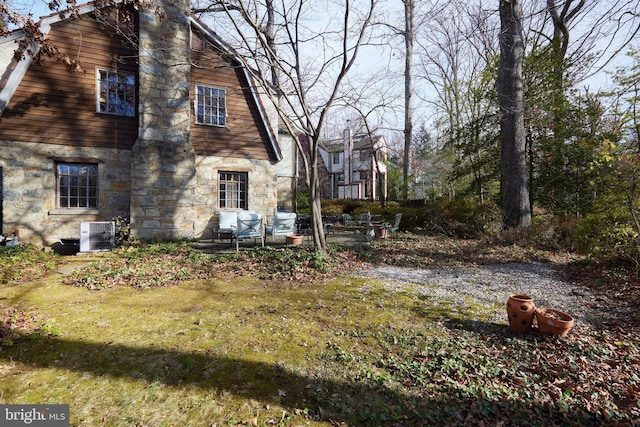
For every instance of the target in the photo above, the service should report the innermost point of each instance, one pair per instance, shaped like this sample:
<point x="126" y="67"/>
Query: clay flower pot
<point x="520" y="309"/>
<point x="294" y="239"/>
<point x="554" y="321"/>
<point x="381" y="232"/>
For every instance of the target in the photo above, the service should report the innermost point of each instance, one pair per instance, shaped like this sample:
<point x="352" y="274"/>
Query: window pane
<point x="210" y="106"/>
<point x="116" y="94"/>
<point x="77" y="185"/>
<point x="232" y="190"/>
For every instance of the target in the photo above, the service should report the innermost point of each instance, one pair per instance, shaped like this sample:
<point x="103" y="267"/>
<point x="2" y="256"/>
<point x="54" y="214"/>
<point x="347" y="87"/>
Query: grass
<point x="294" y="346"/>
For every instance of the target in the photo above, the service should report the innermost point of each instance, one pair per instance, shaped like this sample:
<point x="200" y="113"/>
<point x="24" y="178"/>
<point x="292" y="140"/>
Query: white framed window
<point x="116" y="92"/>
<point x="210" y="105"/>
<point x="336" y="158"/>
<point x="77" y="185"/>
<point x="233" y="190"/>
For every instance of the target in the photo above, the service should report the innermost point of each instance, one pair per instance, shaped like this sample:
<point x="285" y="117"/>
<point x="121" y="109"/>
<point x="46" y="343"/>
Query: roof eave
<point x="20" y="67"/>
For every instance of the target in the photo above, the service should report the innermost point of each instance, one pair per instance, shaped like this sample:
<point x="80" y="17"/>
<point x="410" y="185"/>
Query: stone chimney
<point x="163" y="167"/>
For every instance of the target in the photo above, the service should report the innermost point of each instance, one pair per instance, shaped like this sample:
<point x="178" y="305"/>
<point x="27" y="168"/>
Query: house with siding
<point x="355" y="166"/>
<point x="161" y="123"/>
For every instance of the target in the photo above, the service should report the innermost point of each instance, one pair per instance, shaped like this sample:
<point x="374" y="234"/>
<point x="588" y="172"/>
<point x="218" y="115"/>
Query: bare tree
<point x="456" y="57"/>
<point x="409" y="9"/>
<point x="406" y="31"/>
<point x="311" y="63"/>
<point x="513" y="180"/>
<point x="591" y="34"/>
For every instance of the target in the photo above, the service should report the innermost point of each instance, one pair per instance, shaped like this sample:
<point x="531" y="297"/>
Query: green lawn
<point x="262" y="349"/>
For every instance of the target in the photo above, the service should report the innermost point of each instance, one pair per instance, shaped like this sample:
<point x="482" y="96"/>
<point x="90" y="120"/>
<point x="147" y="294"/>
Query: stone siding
<point x="29" y="190"/>
<point x="263" y="188"/>
<point x="163" y="168"/>
<point x="30" y="195"/>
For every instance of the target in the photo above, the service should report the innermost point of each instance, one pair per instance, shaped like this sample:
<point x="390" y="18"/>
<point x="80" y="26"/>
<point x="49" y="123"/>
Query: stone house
<point x="161" y="124"/>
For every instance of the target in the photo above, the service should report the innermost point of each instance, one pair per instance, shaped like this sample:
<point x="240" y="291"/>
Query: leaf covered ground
<point x="285" y="322"/>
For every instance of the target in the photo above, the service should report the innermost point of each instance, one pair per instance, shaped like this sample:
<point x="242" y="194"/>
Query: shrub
<point x="462" y="217"/>
<point x="303" y="202"/>
<point x="123" y="231"/>
<point x="609" y="236"/>
<point x="547" y="233"/>
<point x="612" y="230"/>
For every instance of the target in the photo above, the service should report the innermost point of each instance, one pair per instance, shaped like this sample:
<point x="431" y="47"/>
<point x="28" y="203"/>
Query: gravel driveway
<point x="489" y="285"/>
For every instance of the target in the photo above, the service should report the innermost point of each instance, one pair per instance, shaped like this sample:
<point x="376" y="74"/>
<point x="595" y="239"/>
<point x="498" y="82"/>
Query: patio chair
<point x="249" y="227"/>
<point x="329" y="222"/>
<point x="364" y="219"/>
<point x="347" y="221"/>
<point x="395" y="227"/>
<point x="303" y="223"/>
<point x="227" y="225"/>
<point x="284" y="223"/>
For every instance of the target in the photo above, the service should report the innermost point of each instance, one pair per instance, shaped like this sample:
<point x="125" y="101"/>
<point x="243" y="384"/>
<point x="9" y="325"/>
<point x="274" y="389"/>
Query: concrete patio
<point x="351" y="236"/>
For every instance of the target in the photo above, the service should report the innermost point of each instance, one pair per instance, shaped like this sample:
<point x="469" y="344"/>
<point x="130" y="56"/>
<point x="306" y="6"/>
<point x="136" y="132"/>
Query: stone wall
<point x="263" y="188"/>
<point x="287" y="172"/>
<point x="30" y="195"/>
<point x="163" y="176"/>
<point x="29" y="190"/>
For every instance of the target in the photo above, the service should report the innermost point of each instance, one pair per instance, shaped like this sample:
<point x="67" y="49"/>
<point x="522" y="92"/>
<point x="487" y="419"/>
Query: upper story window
<point x="77" y="185"/>
<point x="336" y="158"/>
<point x="210" y="106"/>
<point x="116" y="93"/>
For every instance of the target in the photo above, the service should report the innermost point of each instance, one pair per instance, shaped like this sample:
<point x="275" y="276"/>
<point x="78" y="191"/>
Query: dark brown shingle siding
<point x="243" y="136"/>
<point x="53" y="105"/>
<point x="56" y="106"/>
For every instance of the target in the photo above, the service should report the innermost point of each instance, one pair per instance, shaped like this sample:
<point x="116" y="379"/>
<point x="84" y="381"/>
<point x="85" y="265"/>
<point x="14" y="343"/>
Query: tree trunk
<point x="408" y="95"/>
<point x="315" y="201"/>
<point x="271" y="40"/>
<point x="513" y="171"/>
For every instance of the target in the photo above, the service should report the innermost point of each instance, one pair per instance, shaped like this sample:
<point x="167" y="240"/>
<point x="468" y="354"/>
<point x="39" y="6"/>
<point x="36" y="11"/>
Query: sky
<point x="37" y="7"/>
<point x="385" y="59"/>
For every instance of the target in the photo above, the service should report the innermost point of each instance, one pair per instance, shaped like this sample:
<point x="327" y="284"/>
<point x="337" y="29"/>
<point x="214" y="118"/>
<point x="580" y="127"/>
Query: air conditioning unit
<point x="97" y="236"/>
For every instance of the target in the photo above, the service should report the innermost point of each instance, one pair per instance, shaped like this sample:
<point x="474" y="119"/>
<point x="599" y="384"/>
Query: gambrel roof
<point x="12" y="70"/>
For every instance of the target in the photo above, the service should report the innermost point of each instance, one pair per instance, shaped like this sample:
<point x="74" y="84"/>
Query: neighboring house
<point x="355" y="166"/>
<point x="168" y="133"/>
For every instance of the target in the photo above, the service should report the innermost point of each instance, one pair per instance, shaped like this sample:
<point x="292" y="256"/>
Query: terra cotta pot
<point x="294" y="239"/>
<point x="381" y="232"/>
<point x="554" y="321"/>
<point x="520" y="309"/>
